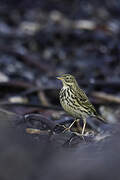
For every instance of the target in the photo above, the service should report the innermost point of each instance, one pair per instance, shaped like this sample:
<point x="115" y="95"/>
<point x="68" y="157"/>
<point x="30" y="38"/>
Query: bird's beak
<point x="60" y="78"/>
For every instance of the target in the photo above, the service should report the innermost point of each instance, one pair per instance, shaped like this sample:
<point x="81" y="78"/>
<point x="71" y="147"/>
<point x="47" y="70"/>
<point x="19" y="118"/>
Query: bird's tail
<point x="101" y="118"/>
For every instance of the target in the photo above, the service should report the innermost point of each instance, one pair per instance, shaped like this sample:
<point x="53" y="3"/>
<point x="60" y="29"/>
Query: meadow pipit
<point x="75" y="102"/>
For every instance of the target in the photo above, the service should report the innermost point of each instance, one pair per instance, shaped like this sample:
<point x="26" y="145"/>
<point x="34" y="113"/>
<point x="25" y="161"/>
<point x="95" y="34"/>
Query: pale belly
<point x="75" y="112"/>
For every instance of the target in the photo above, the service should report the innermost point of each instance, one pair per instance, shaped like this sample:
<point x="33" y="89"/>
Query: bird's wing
<point x="84" y="102"/>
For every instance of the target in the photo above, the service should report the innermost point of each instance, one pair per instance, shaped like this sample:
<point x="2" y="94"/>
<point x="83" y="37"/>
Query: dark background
<point x="40" y="40"/>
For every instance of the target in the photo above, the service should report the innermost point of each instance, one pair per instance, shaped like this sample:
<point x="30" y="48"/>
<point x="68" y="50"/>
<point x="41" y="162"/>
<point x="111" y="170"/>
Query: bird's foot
<point x="80" y="135"/>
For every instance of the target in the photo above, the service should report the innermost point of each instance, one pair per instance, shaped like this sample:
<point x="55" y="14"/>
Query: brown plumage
<point x="75" y="102"/>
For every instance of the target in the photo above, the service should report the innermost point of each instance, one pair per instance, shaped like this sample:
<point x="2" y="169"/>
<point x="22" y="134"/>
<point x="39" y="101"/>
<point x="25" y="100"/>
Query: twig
<point x="37" y="131"/>
<point x="2" y="104"/>
<point x="43" y="98"/>
<point x="16" y="84"/>
<point x="106" y="97"/>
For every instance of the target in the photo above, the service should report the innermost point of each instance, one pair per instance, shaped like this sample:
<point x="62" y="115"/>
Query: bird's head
<point x="67" y="80"/>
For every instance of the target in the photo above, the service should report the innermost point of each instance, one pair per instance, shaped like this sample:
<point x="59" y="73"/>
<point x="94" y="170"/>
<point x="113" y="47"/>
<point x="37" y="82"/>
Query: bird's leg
<point x="68" y="128"/>
<point x="84" y="125"/>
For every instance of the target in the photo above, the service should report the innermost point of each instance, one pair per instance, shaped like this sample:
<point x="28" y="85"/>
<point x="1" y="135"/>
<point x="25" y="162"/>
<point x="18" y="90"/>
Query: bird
<point x="75" y="102"/>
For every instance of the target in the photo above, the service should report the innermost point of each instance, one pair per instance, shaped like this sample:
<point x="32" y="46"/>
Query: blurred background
<point x="40" y="40"/>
